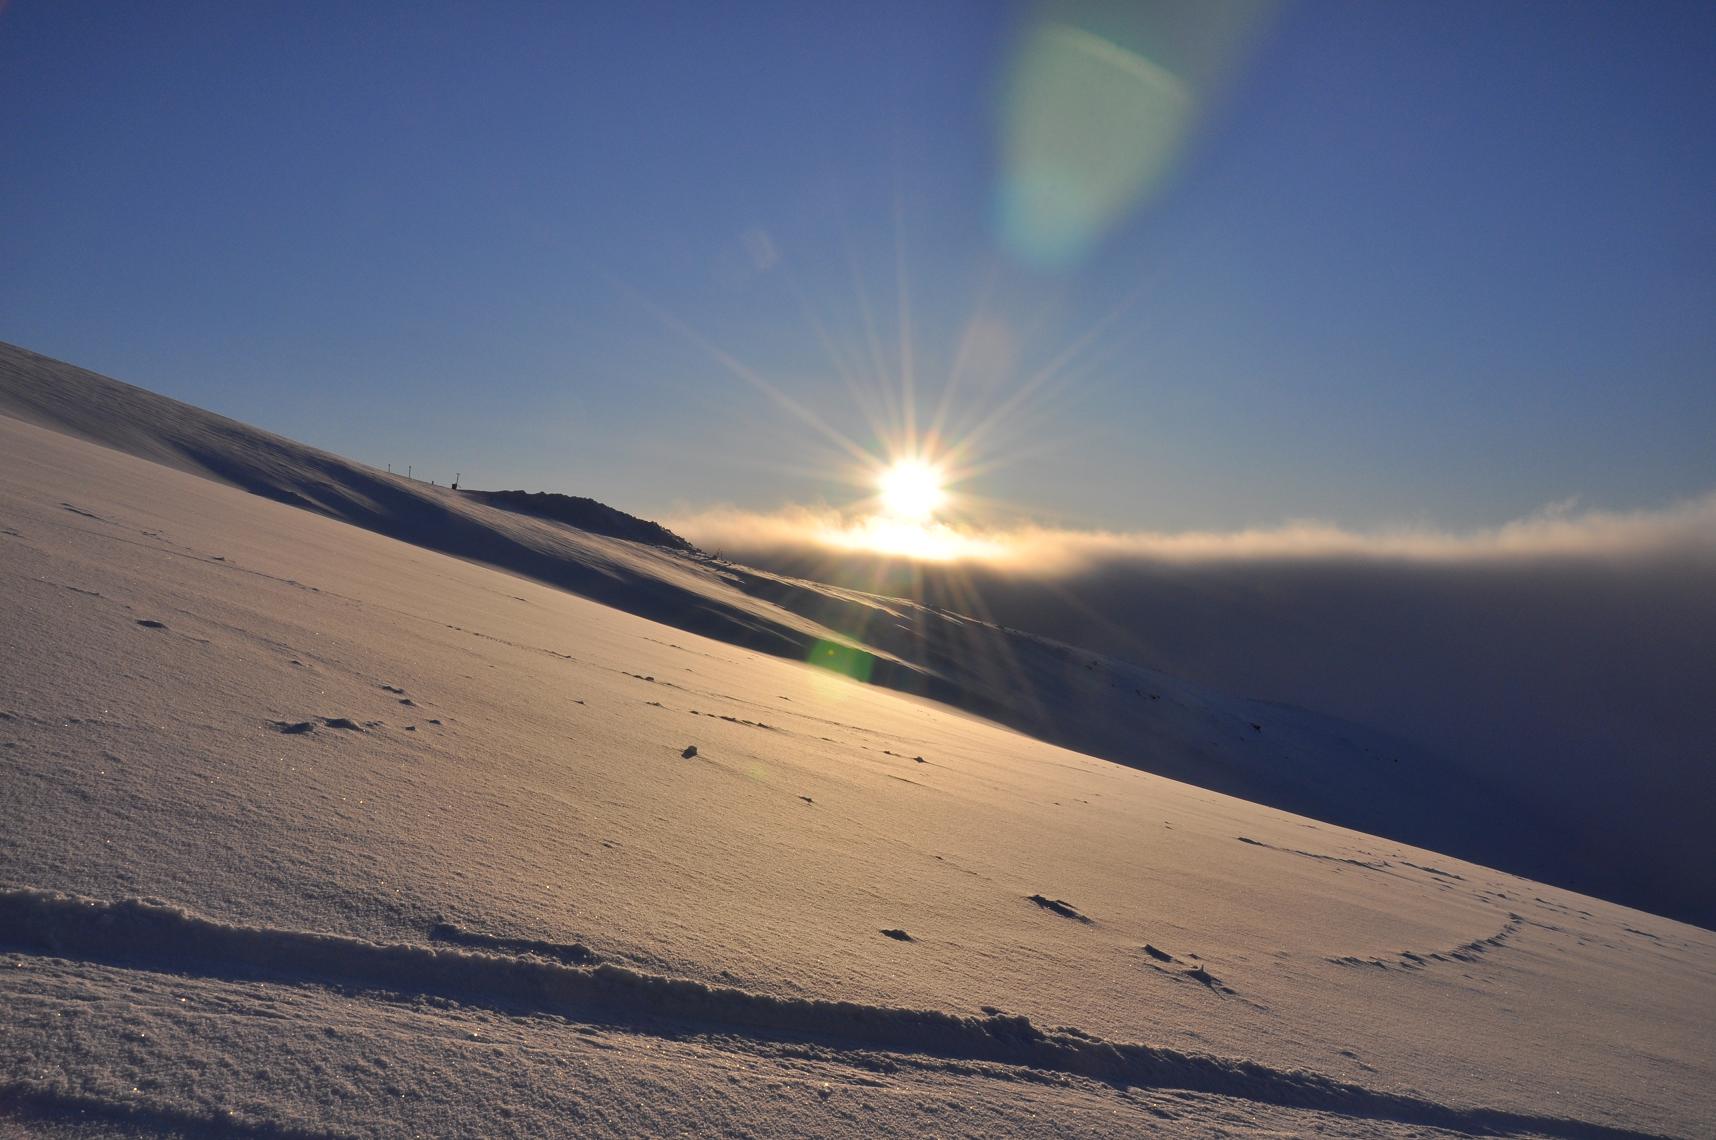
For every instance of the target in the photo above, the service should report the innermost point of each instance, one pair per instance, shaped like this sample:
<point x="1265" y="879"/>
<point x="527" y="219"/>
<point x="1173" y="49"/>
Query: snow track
<point x="155" y="935"/>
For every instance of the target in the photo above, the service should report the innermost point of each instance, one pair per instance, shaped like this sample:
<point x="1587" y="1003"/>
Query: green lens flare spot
<point x="847" y="660"/>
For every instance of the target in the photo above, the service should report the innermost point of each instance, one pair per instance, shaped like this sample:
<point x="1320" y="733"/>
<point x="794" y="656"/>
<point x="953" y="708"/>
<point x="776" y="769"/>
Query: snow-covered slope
<point x="310" y="831"/>
<point x="1278" y="755"/>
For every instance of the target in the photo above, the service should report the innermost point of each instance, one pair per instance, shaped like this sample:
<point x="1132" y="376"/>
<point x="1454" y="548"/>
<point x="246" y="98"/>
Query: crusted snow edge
<point x="158" y="935"/>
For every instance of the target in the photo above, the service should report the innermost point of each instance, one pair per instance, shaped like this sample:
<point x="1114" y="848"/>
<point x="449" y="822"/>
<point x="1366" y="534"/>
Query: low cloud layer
<point x="1569" y="657"/>
<point x="1560" y="531"/>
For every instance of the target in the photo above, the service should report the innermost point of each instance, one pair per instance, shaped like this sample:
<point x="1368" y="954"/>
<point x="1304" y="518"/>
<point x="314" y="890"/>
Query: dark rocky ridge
<point x="585" y="514"/>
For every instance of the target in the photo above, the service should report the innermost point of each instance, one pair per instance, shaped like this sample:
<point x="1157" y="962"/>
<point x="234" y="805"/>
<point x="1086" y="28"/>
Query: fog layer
<point x="1568" y="656"/>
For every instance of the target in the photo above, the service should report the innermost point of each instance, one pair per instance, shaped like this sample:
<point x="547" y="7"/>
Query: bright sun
<point x="911" y="489"/>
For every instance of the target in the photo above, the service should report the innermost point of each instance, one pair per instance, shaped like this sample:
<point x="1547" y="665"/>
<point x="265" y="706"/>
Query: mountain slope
<point x="1284" y="757"/>
<point x="308" y="831"/>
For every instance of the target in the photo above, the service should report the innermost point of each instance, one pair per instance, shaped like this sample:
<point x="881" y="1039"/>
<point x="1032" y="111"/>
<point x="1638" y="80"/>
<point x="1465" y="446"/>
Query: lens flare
<point x="1102" y="98"/>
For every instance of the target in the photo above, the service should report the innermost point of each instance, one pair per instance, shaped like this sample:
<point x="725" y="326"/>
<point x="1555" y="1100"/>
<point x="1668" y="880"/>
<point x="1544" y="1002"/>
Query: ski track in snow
<point x="157" y="936"/>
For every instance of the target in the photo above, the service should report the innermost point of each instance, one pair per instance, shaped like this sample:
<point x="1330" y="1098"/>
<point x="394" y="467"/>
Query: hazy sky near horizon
<point x="1420" y="263"/>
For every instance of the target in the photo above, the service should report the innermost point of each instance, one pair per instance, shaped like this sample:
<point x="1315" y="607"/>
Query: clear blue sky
<point x="1428" y="262"/>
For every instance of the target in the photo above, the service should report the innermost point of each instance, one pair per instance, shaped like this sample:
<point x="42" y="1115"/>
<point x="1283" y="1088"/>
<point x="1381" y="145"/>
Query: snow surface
<point x="308" y="831"/>
<point x="1264" y="752"/>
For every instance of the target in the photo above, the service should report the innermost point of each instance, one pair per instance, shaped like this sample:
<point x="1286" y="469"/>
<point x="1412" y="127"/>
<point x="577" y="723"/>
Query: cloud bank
<point x="1569" y="657"/>
<point x="1558" y="532"/>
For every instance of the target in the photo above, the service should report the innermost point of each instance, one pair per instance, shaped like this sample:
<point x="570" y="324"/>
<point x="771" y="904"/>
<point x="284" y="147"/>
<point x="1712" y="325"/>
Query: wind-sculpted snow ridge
<point x="1466" y="952"/>
<point x="573" y="952"/>
<point x="156" y="935"/>
<point x="1367" y="864"/>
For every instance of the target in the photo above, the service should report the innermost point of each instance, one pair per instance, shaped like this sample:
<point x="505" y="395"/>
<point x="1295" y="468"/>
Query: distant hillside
<point x="585" y="514"/>
<point x="654" y="579"/>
